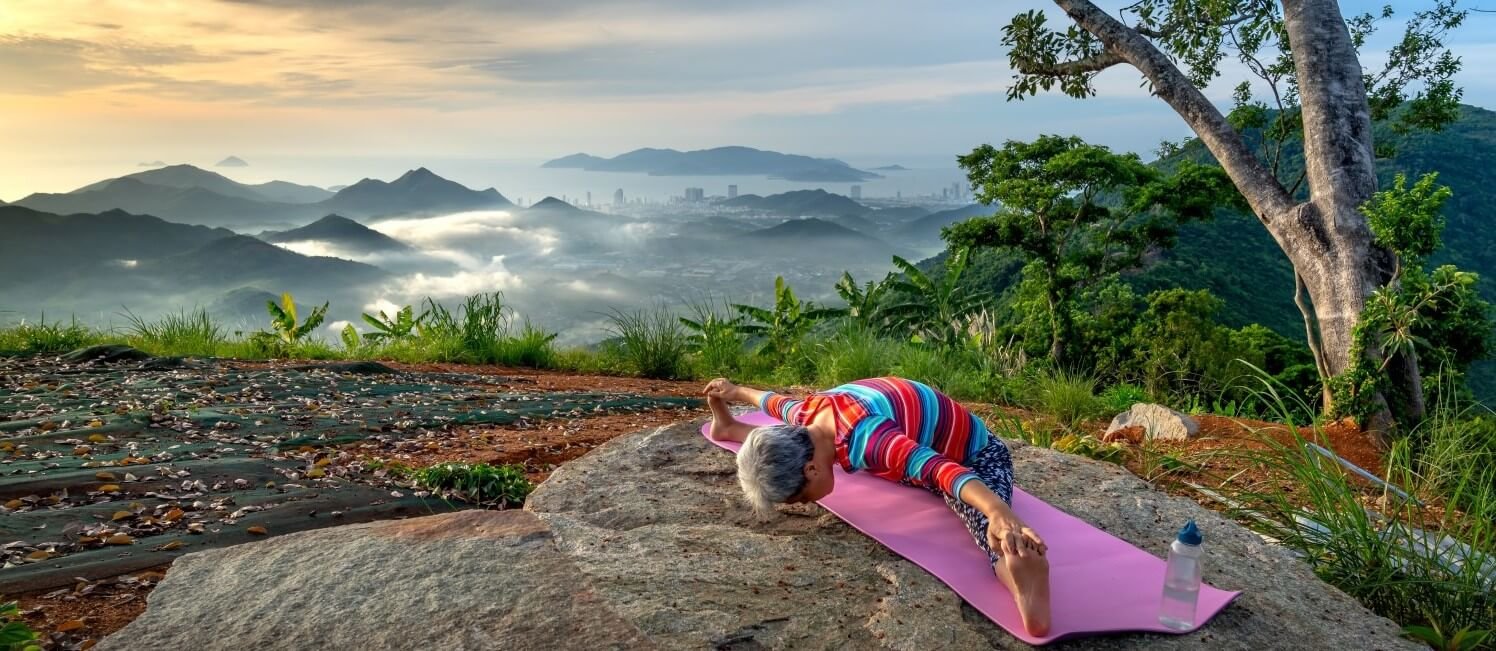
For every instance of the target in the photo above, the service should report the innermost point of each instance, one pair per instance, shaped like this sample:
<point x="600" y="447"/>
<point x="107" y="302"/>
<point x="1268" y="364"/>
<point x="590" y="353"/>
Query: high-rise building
<point x="856" y="192"/>
<point x="956" y="192"/>
<point x="695" y="194"/>
<point x="589" y="199"/>
<point x="618" y="197"/>
<point x="732" y="191"/>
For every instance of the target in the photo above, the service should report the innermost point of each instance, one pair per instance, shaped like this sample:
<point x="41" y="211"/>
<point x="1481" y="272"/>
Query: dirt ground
<point x="72" y="618"/>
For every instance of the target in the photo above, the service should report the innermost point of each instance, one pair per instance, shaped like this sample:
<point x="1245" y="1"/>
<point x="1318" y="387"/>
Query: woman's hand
<point x="1008" y="535"/>
<point x="721" y="388"/>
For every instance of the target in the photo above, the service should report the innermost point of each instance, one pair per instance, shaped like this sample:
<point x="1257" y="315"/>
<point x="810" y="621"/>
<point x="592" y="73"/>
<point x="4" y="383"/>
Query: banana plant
<point x="934" y="307"/>
<point x="785" y="325"/>
<point x="351" y="340"/>
<point x="283" y="320"/>
<point x="403" y="325"/>
<point x="873" y="304"/>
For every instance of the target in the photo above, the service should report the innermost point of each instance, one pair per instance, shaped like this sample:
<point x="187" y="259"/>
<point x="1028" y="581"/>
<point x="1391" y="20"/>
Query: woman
<point x="902" y="431"/>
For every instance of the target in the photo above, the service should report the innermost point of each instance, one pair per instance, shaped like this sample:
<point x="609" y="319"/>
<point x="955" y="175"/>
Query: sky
<point x="88" y="86"/>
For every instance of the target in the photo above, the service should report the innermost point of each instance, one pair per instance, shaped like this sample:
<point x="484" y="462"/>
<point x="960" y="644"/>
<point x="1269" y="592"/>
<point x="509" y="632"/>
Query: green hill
<point x="1234" y="257"/>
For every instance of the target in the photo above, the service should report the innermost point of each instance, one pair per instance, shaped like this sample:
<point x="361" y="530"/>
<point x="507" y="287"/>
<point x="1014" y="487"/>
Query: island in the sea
<point x="719" y="161"/>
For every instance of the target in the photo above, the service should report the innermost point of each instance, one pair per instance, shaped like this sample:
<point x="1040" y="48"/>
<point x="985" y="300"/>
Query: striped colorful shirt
<point x="897" y="429"/>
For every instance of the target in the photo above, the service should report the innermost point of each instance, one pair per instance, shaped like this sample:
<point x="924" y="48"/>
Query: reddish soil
<point x="77" y="617"/>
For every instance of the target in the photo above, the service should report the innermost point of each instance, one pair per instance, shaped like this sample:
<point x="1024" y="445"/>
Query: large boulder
<point x="464" y="580"/>
<point x="647" y="542"/>
<point x="1157" y="422"/>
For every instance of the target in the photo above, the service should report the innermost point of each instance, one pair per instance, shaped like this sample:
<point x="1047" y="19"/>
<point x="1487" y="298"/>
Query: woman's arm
<point x="769" y="402"/>
<point x="1004" y="530"/>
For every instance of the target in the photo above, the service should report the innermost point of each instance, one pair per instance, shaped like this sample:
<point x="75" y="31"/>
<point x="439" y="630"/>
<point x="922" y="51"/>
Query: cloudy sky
<point x="88" y="84"/>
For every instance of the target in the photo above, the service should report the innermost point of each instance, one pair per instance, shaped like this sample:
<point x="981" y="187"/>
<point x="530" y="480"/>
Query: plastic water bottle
<point x="1182" y="580"/>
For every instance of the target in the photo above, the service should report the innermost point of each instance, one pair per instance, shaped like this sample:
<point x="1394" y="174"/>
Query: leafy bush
<point x="532" y="348"/>
<point x="15" y="633"/>
<point x="475" y="334"/>
<point x="479" y="483"/>
<point x="784" y="327"/>
<point x="1069" y="398"/>
<point x="1121" y="397"/>
<point x="716" y="344"/>
<point x="403" y="325"/>
<point x="287" y="332"/>
<point x="184" y="334"/>
<point x="653" y="342"/>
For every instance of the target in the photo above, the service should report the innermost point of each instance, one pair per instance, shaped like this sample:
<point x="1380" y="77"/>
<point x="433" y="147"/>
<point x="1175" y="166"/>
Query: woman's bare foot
<point x="724" y="426"/>
<point x="1026" y="574"/>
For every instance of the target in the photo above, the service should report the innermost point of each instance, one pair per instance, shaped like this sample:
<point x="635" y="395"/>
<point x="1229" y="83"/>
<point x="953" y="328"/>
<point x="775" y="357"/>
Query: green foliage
<point x="1407" y="220"/>
<point x="43" y="337"/>
<point x="351" y="340"/>
<point x="287" y="331"/>
<point x="783" y="327"/>
<point x="715" y="342"/>
<point x="1069" y="398"/>
<point x="934" y="309"/>
<point x="869" y="305"/>
<point x="1077" y="215"/>
<point x="954" y="372"/>
<point x="15" y="633"/>
<point x="1179" y="350"/>
<point x="183" y="334"/>
<point x="653" y="342"/>
<point x="1118" y="398"/>
<point x="1465" y="639"/>
<point x="403" y="325"/>
<point x="853" y="354"/>
<point x="479" y="483"/>
<point x="475" y="333"/>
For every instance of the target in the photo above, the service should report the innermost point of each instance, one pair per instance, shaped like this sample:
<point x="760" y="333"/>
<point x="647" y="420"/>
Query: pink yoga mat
<point x="1098" y="583"/>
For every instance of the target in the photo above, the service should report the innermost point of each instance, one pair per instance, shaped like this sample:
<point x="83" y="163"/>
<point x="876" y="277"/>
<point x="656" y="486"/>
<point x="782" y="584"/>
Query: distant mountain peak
<point x="719" y="161"/>
<point x="552" y="203"/>
<point x="233" y="161"/>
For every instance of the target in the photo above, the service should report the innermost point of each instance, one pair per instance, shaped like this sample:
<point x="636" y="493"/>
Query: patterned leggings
<point x="995" y="466"/>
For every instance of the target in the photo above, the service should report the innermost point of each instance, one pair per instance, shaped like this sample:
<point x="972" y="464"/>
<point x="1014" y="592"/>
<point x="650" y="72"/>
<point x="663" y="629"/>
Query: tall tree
<point x="1305" y="55"/>
<point x="1078" y="214"/>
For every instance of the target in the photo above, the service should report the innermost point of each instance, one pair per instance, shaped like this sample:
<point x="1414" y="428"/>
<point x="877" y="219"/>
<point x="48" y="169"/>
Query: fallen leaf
<point x="257" y="530"/>
<point x="175" y="544"/>
<point x="104" y="475"/>
<point x="109" y="488"/>
<point x="70" y="625"/>
<point x="39" y="555"/>
<point x="14" y="504"/>
<point x="173" y="515"/>
<point x="316" y="473"/>
<point x="119" y="539"/>
<point x="323" y="462"/>
<point x="97" y="438"/>
<point x="121" y="515"/>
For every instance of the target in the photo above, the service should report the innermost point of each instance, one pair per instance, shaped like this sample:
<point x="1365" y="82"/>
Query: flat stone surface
<point x="656" y="519"/>
<point x="647" y="542"/>
<point x="464" y="580"/>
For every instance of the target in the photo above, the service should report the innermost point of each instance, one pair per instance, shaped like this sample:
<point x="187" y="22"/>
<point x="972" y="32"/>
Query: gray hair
<point x="771" y="464"/>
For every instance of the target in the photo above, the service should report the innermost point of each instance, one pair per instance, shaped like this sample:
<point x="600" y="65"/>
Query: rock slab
<point x="464" y="580"/>
<point x="1157" y="421"/>
<point x="646" y="542"/>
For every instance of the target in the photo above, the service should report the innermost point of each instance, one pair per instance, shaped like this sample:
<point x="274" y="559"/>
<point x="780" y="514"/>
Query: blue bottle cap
<point x="1189" y="534"/>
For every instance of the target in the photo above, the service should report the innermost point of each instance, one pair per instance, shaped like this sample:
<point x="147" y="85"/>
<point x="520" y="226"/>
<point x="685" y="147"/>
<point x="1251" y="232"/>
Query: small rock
<point x="1157" y="421"/>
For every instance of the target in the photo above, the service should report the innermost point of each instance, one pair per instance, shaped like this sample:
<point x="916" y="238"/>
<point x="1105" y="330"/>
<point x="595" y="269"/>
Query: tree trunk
<point x="1056" y="330"/>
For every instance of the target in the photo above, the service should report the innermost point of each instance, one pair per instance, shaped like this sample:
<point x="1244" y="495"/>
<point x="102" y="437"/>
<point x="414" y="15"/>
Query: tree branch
<point x="1263" y="192"/>
<point x="1093" y="63"/>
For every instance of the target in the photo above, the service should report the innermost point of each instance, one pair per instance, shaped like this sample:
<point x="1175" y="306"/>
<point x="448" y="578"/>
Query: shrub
<point x="715" y="340"/>
<point x="653" y="342"/>
<point x="532" y="348"/>
<point x="185" y="334"/>
<point x="479" y="483"/>
<point x="1069" y="398"/>
<point x="15" y="633"/>
<point x="1121" y="397"/>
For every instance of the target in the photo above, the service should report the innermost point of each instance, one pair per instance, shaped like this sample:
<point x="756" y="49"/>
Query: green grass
<point x="181" y="334"/>
<point x="1068" y="397"/>
<point x="43" y="337"/>
<point x="850" y="355"/>
<point x="1390" y="558"/>
<point x="478" y="483"/>
<point x="652" y="342"/>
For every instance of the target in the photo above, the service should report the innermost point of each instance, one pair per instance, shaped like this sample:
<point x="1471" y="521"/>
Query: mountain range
<point x="191" y="195"/>
<point x="717" y="162"/>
